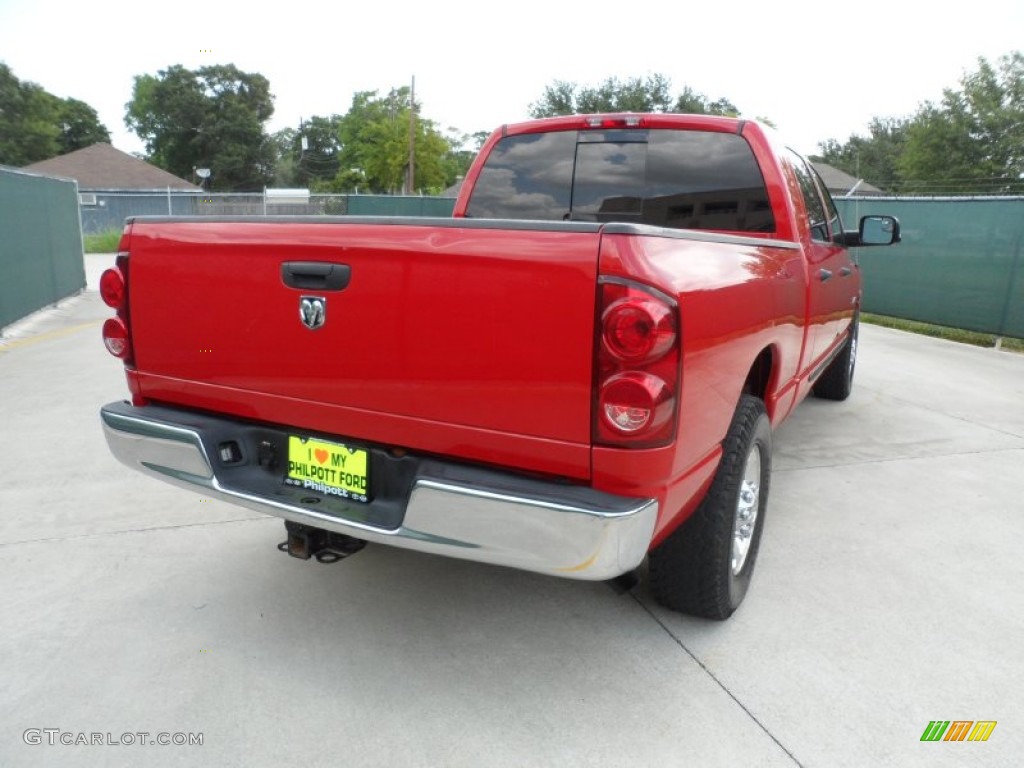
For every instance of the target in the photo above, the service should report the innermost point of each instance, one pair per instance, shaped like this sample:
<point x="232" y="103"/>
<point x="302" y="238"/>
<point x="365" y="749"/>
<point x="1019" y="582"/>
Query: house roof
<point x="840" y="183"/>
<point x="101" y="166"/>
<point x="453" y="190"/>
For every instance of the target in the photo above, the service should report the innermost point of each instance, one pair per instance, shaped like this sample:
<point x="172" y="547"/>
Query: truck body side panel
<point x="735" y="301"/>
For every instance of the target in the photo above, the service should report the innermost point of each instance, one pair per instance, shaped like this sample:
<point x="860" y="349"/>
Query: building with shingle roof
<point x="102" y="167"/>
<point x="842" y="184"/>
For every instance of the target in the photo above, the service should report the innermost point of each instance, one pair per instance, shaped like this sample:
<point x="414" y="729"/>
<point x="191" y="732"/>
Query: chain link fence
<point x="103" y="210"/>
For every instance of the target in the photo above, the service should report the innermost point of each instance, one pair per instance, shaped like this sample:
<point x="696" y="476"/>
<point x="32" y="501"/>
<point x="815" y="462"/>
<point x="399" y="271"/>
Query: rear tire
<point x="836" y="382"/>
<point x="704" y="567"/>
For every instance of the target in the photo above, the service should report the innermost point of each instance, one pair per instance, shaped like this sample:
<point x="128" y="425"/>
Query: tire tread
<point x="691" y="570"/>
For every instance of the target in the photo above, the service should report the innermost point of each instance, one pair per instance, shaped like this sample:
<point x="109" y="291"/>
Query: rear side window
<point x="665" y="178"/>
<point x="526" y="177"/>
<point x="817" y="218"/>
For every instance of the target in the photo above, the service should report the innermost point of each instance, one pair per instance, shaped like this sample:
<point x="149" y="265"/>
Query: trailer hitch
<point x="305" y="542"/>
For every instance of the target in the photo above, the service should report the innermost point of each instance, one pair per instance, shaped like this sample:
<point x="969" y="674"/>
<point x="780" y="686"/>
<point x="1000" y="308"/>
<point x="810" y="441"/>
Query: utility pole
<point x="410" y="183"/>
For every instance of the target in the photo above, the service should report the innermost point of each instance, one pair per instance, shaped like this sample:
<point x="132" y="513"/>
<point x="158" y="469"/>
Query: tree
<point x="973" y="139"/>
<point x="691" y="102"/>
<point x="36" y="125"/>
<point x="374" y="141"/>
<point x="211" y="118"/>
<point x="80" y="126"/>
<point x="970" y="142"/>
<point x="286" y="172"/>
<point x="650" y="94"/>
<point x="319" y="147"/>
<point x="463" y="148"/>
<point x="308" y="157"/>
<point x="874" y="158"/>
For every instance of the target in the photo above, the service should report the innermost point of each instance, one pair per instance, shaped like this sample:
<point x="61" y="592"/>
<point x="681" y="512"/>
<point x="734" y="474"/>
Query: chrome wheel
<point x="747" y="505"/>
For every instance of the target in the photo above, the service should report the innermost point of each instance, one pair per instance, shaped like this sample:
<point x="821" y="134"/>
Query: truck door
<point x="831" y="297"/>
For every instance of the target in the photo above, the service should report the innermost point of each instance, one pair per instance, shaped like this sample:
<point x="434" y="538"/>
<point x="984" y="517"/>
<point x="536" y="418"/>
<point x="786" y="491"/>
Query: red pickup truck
<point x="580" y="370"/>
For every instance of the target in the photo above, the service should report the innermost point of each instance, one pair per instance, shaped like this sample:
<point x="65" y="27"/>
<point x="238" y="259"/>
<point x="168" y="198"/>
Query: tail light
<point x="117" y="336"/>
<point x="112" y="287"/>
<point x="638" y="330"/>
<point x="636" y="387"/>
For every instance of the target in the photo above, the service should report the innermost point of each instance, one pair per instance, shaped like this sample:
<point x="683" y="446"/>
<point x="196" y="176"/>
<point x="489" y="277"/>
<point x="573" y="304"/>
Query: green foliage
<point x="463" y="149"/>
<point x="80" y="126"/>
<point x="319" y="159"/>
<point x="102" y="242"/>
<point x="635" y="94"/>
<point x="28" y="121"/>
<point x="212" y="117"/>
<point x="307" y="157"/>
<point x="286" y="167"/>
<point x="973" y="139"/>
<point x="971" y="142"/>
<point x="694" y="103"/>
<point x="874" y="158"/>
<point x="369" y="147"/>
<point x="36" y="125"/>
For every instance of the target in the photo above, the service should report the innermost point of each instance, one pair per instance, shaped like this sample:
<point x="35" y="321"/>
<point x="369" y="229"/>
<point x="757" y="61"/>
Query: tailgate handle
<point x="315" y="275"/>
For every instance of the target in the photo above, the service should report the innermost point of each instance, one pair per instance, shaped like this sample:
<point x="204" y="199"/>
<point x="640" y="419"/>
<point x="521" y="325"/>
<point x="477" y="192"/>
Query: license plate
<point x="331" y="469"/>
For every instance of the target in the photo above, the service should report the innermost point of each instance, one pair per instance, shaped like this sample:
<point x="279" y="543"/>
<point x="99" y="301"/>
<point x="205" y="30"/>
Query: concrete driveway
<point x="888" y="594"/>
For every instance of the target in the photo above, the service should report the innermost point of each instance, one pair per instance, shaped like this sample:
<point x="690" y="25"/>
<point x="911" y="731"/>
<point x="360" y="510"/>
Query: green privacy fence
<point x="388" y="205"/>
<point x="40" y="243"/>
<point x="960" y="263"/>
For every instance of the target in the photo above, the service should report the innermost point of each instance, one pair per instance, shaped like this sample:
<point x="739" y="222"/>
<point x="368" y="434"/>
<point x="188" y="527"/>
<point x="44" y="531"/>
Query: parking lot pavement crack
<point x="947" y="414"/>
<point x="897" y="459"/>
<point x="717" y="682"/>
<point x="56" y="539"/>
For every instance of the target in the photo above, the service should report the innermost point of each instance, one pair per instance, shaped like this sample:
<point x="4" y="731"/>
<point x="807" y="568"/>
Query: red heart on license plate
<point x="321" y="455"/>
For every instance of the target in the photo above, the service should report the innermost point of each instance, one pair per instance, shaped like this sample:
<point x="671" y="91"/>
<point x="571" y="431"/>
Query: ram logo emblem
<point x="313" y="311"/>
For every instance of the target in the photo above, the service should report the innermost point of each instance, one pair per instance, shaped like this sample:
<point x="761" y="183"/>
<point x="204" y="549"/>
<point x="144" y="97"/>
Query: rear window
<point x="666" y="178"/>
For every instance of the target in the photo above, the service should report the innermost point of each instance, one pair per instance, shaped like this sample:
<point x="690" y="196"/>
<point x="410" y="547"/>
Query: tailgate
<point x="448" y="336"/>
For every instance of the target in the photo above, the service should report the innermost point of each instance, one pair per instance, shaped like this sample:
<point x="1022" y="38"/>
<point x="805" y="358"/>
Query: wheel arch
<point x="762" y="378"/>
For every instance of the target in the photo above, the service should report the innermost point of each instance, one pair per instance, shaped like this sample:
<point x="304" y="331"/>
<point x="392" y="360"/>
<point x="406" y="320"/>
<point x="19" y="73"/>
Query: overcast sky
<point x="818" y="70"/>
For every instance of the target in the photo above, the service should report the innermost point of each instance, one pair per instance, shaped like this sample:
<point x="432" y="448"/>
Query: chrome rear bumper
<point x="453" y="510"/>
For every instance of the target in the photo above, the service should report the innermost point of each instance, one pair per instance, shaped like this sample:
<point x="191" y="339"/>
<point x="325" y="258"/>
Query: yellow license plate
<point x="331" y="469"/>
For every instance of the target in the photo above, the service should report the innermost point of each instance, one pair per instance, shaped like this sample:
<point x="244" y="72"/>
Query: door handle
<point x="825" y="275"/>
<point x="315" y="275"/>
<point x="845" y="272"/>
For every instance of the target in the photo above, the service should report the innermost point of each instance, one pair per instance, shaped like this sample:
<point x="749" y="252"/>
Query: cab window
<point x="816" y="215"/>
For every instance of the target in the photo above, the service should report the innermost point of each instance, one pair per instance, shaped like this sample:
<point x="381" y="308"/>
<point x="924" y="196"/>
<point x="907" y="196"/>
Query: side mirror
<point x="879" y="230"/>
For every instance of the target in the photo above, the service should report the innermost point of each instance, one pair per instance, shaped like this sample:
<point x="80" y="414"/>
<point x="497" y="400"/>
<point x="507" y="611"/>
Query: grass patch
<point x="102" y="242"/>
<point x="943" y="332"/>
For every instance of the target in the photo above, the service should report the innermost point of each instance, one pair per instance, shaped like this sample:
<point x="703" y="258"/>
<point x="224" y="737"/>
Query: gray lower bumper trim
<point x="484" y="516"/>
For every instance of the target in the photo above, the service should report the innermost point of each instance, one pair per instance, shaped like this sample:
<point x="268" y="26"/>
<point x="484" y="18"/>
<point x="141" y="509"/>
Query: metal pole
<point x="1015" y="269"/>
<point x="411" y="182"/>
<point x="81" y="233"/>
<point x="170" y="211"/>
